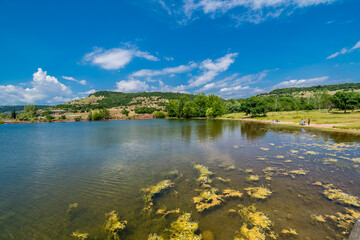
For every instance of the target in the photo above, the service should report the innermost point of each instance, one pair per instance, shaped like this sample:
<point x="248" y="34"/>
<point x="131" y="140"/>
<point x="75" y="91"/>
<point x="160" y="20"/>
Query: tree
<point x="345" y="100"/>
<point x="13" y="114"/>
<point x="30" y="111"/>
<point x="182" y="101"/>
<point x="125" y="112"/>
<point x="172" y="108"/>
<point x="201" y="102"/>
<point x="254" y="106"/>
<point x="188" y="110"/>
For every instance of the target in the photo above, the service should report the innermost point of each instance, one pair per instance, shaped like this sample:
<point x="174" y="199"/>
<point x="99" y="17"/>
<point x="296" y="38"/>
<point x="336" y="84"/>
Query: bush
<point x="143" y="110"/>
<point x="62" y="117"/>
<point x="77" y="119"/>
<point x="1" y="122"/>
<point x="97" y="115"/>
<point x="125" y="112"/>
<point x="158" y="114"/>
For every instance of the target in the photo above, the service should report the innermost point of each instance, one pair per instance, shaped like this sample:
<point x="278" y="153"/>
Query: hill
<point x="17" y="108"/>
<point x="308" y="90"/>
<point x="120" y="100"/>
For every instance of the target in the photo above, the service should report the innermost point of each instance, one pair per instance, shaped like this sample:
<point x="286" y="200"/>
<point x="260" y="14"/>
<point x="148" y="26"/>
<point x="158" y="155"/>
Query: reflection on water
<point x="61" y="178"/>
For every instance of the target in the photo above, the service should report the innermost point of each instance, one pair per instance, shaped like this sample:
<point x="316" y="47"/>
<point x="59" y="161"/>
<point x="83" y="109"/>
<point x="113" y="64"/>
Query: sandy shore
<point x="326" y="127"/>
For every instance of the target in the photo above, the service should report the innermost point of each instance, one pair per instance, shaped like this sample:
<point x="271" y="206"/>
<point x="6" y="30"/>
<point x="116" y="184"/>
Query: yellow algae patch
<point x="356" y="160"/>
<point x="257" y="225"/>
<point x="236" y="147"/>
<point x="184" y="229"/>
<point x="289" y="231"/>
<point x="265" y="149"/>
<point x="249" y="170"/>
<point x="223" y="180"/>
<point x="298" y="172"/>
<point x="204" y="173"/>
<point x="80" y="236"/>
<point x="317" y="184"/>
<point x="260" y="158"/>
<point x="253" y="178"/>
<point x="163" y="211"/>
<point x="318" y="218"/>
<point x="155" y="237"/>
<point x="150" y="192"/>
<point x="271" y="144"/>
<point x="301" y="157"/>
<point x="329" y="161"/>
<point x="207" y="199"/>
<point x="279" y="156"/>
<point x="114" y="225"/>
<point x="232" y="193"/>
<point x="343" y="198"/>
<point x="346" y="220"/>
<point x="258" y="192"/>
<point x="287" y="161"/>
<point x="311" y="153"/>
<point x="294" y="151"/>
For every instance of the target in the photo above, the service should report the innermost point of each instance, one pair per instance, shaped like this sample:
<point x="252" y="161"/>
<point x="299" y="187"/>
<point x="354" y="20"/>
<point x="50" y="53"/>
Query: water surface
<point x="103" y="166"/>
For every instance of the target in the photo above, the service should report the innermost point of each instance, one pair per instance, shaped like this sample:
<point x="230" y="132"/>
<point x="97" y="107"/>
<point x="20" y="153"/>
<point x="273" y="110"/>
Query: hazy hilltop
<point x="309" y="91"/>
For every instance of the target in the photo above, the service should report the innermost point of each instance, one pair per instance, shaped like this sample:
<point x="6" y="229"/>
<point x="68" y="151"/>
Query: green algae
<point x="150" y="192"/>
<point x="113" y="225"/>
<point x="80" y="236"/>
<point x="207" y="199"/>
<point x="205" y="174"/>
<point x="253" y="178"/>
<point x="345" y="220"/>
<point x="182" y="229"/>
<point x="257" y="225"/>
<point x="258" y="192"/>
<point x="343" y="198"/>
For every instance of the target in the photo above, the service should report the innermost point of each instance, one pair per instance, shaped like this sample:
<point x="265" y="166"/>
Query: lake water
<point x="102" y="166"/>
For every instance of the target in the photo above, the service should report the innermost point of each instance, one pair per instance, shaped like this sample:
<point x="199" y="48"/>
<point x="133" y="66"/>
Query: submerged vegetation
<point x="258" y="192"/>
<point x="113" y="225"/>
<point x="150" y="192"/>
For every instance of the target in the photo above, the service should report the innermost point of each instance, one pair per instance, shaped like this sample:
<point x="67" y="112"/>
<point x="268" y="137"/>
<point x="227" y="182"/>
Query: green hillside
<point x="17" y="108"/>
<point x="336" y="87"/>
<point x="107" y="99"/>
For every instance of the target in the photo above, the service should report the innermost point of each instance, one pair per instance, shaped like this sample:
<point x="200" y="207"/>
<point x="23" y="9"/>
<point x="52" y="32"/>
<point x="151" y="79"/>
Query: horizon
<point x="57" y="52"/>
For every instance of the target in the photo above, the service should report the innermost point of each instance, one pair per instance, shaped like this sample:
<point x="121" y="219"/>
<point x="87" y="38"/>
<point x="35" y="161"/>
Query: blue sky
<point x="56" y="51"/>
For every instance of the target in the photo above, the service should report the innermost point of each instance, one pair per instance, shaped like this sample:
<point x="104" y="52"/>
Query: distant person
<point x="308" y="121"/>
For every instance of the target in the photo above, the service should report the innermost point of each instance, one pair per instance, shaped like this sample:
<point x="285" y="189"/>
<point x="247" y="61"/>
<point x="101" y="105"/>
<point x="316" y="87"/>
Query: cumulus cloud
<point x="116" y="58"/>
<point x="164" y="71"/>
<point x="131" y="85"/>
<point x="211" y="69"/>
<point x="344" y="51"/>
<point x="43" y="89"/>
<point x="301" y="82"/>
<point x="82" y="82"/>
<point x="231" y="89"/>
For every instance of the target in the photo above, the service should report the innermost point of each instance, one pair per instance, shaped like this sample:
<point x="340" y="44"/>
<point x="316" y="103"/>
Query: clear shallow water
<point x="102" y="166"/>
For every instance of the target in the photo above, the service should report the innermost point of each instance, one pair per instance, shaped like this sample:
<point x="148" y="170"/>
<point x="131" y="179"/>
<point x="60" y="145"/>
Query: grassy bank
<point x="319" y="118"/>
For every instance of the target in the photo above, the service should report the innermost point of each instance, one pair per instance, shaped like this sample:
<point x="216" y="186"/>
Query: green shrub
<point x="1" y="122"/>
<point x="77" y="118"/>
<point x="158" y="114"/>
<point x="143" y="110"/>
<point x="125" y="112"/>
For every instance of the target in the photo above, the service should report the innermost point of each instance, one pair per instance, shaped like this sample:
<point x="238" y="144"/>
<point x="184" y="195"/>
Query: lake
<point x="103" y="166"/>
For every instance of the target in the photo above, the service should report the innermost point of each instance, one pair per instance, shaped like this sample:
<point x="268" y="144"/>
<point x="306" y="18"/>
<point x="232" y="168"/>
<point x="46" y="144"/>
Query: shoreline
<point x="324" y="127"/>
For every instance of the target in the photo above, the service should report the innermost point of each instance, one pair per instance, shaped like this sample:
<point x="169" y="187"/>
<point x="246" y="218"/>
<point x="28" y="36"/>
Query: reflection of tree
<point x="253" y="130"/>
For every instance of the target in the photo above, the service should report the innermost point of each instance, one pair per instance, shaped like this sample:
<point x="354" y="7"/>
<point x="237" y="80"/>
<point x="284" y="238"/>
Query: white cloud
<point x="231" y="89"/>
<point x="44" y="89"/>
<point x="247" y="10"/>
<point x="301" y="82"/>
<point x="165" y="71"/>
<point x="116" y="58"/>
<point x="169" y="59"/>
<point x="211" y="69"/>
<point x="131" y="85"/>
<point x="344" y="51"/>
<point x="82" y="82"/>
<point x="88" y="92"/>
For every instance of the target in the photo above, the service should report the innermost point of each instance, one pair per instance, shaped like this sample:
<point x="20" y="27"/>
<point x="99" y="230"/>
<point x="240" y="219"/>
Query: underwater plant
<point x="343" y="198"/>
<point x="154" y="236"/>
<point x="163" y="211"/>
<point x="289" y="231"/>
<point x="81" y="236"/>
<point x="257" y="225"/>
<point x="258" y="192"/>
<point x="113" y="225"/>
<point x="253" y="178"/>
<point x="150" y="192"/>
<point x="207" y="199"/>
<point x="232" y="193"/>
<point x="204" y="174"/>
<point x="184" y="229"/>
<point x="318" y="218"/>
<point x="223" y="180"/>
<point x="345" y="221"/>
